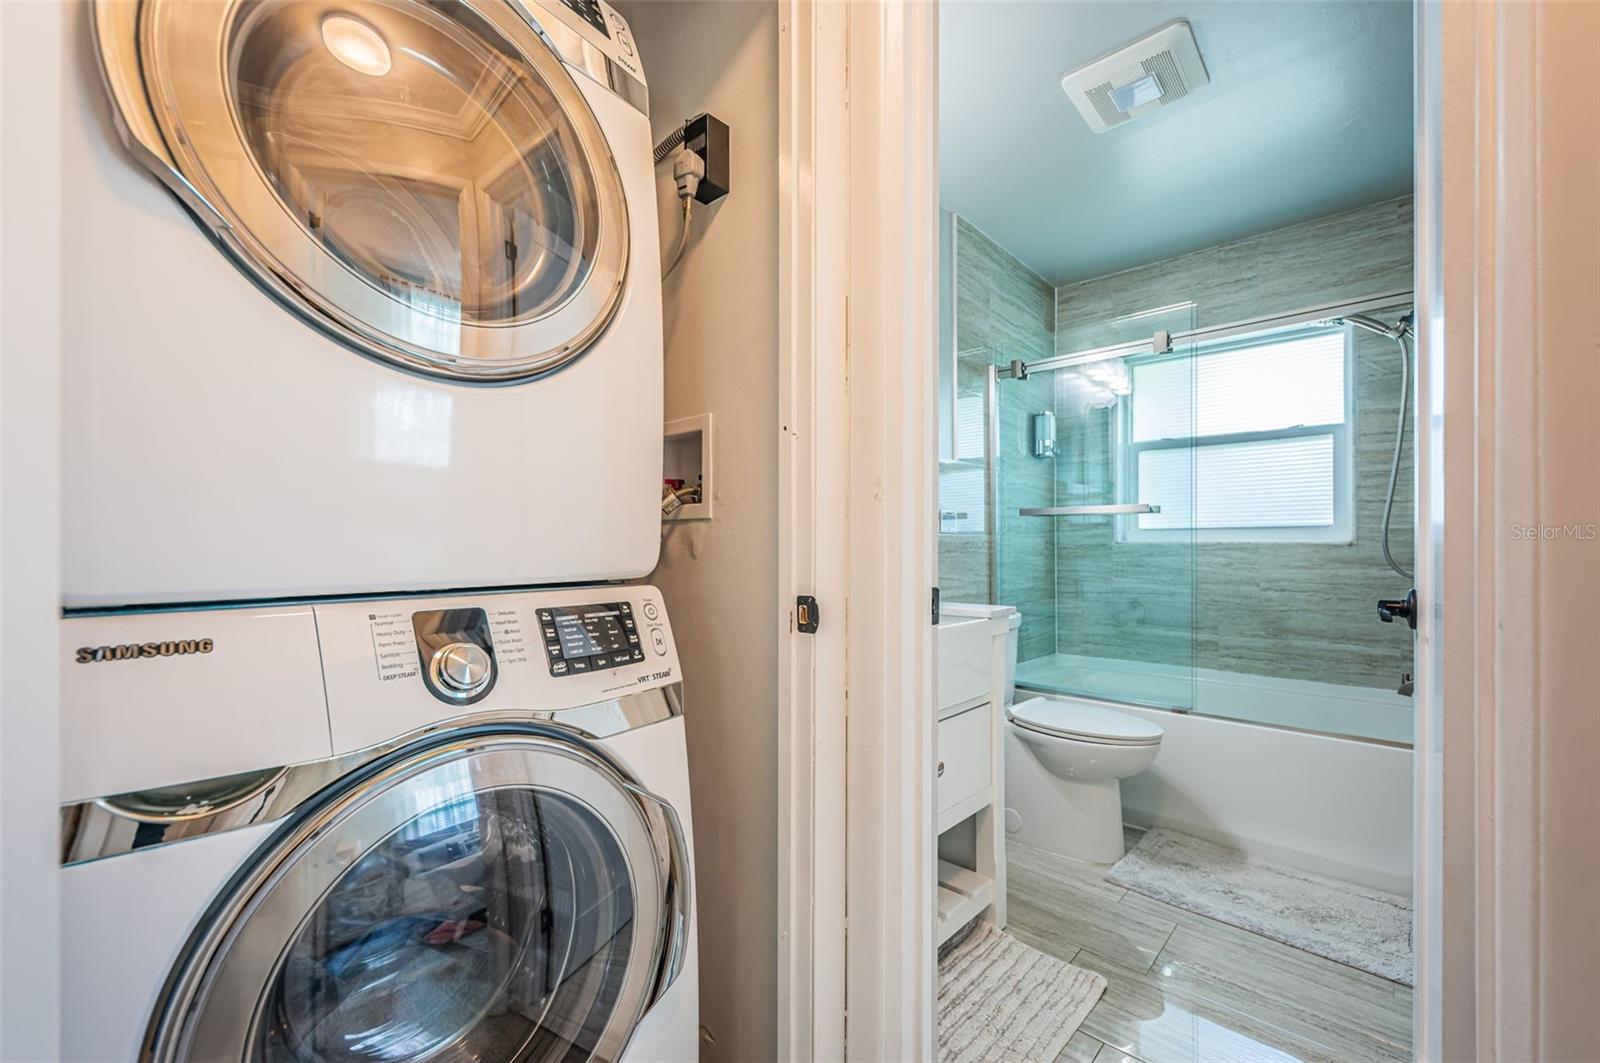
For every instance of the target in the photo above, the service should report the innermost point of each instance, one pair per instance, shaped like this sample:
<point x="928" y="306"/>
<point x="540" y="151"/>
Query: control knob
<point x="460" y="669"/>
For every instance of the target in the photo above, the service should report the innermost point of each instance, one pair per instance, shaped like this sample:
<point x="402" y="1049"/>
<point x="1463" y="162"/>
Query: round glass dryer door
<point x="422" y="180"/>
<point x="508" y="898"/>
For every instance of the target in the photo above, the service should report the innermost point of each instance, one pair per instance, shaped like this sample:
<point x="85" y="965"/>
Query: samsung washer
<point x="361" y="296"/>
<point x="400" y="830"/>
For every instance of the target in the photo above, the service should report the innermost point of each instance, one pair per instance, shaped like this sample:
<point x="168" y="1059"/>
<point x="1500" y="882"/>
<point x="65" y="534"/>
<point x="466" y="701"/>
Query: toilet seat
<point x="1082" y="722"/>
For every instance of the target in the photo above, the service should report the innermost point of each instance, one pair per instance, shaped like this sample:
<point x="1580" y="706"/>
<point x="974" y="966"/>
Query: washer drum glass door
<point x="424" y="181"/>
<point x="500" y="896"/>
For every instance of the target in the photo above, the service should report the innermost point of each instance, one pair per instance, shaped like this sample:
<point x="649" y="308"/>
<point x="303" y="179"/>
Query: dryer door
<point x="422" y="180"/>
<point x="490" y="895"/>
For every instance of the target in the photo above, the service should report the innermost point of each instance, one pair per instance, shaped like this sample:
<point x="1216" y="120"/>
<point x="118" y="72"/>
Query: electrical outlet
<point x="707" y="136"/>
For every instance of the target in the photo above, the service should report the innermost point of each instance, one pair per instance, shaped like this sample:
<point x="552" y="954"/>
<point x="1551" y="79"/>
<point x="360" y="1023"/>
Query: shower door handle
<point x="1090" y="511"/>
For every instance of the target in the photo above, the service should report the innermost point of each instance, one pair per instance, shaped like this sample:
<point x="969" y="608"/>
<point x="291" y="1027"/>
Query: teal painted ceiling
<point x="1308" y="112"/>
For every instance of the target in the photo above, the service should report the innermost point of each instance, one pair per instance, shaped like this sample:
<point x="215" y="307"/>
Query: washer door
<point x="422" y="180"/>
<point x="506" y="897"/>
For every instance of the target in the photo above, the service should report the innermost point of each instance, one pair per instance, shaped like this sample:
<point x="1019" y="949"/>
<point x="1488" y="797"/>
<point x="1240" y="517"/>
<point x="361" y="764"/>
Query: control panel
<point x="581" y="638"/>
<point x="281" y="684"/>
<point x="392" y="665"/>
<point x="590" y="12"/>
<point x="595" y="22"/>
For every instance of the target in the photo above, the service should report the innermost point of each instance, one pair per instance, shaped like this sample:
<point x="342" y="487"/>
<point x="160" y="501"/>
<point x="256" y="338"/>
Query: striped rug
<point x="1347" y="923"/>
<point x="1002" y="1000"/>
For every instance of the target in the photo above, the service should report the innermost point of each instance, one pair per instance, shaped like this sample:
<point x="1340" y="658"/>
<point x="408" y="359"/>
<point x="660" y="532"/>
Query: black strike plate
<point x="806" y="614"/>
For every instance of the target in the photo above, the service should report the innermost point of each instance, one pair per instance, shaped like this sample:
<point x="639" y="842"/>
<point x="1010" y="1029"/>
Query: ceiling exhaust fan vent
<point x="1152" y="72"/>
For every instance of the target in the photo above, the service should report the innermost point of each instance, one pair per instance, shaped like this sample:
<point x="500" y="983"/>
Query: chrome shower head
<point x="1372" y="324"/>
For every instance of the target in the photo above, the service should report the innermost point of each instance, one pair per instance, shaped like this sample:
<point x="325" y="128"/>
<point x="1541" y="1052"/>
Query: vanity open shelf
<point x="970" y="774"/>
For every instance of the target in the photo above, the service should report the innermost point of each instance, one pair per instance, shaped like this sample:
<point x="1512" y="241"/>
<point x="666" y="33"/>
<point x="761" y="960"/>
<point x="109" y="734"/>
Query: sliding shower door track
<point x="1307" y="315"/>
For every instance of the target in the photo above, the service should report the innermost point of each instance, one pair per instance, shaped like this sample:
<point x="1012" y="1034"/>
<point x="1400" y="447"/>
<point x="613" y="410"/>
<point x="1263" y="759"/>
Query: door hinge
<point x="806" y="614"/>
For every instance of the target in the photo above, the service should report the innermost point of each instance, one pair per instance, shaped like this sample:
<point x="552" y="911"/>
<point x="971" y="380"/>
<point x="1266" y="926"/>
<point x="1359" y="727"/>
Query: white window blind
<point x="1243" y="442"/>
<point x="962" y="483"/>
<point x="1258" y="388"/>
<point x="1271" y="483"/>
<point x="962" y="503"/>
<point x="970" y="426"/>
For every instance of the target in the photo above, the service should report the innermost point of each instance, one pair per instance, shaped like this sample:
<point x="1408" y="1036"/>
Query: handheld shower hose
<point x="1400" y="332"/>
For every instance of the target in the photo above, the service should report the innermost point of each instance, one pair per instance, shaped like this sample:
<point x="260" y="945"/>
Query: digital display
<point x="584" y="637"/>
<point x="590" y="632"/>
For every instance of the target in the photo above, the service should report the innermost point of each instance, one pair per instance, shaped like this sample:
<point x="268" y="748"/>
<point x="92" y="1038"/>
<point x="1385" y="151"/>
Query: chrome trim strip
<point x="118" y="805"/>
<point x="632" y="91"/>
<point x="97" y="828"/>
<point x="1304" y="316"/>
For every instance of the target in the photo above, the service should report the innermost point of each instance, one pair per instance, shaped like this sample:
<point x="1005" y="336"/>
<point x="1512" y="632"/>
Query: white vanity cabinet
<point x="970" y="785"/>
<point x="966" y="755"/>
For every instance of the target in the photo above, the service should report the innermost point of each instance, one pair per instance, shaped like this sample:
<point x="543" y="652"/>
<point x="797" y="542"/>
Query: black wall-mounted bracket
<point x="707" y="136"/>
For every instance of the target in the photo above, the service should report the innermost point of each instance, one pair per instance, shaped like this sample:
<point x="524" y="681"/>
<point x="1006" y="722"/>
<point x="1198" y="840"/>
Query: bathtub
<point x="1325" y="708"/>
<point x="1274" y="787"/>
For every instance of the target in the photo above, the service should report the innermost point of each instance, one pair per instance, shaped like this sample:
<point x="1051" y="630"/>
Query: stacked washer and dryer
<point x="368" y="754"/>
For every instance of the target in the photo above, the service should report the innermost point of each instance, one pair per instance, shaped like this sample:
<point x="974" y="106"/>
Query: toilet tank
<point x="1005" y="622"/>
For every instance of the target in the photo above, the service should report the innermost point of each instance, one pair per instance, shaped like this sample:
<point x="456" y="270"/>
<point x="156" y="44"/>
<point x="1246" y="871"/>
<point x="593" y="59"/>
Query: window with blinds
<point x="963" y="488"/>
<point x="1244" y="441"/>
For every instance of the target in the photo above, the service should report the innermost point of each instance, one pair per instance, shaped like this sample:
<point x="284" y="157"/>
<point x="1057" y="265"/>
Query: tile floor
<point x="1182" y="988"/>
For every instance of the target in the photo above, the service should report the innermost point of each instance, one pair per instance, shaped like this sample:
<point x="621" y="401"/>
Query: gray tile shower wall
<point x="1294" y="610"/>
<point x="1004" y="311"/>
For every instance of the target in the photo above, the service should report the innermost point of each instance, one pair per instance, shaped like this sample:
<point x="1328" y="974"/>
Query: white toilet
<point x="1074" y="756"/>
<point x="1065" y="762"/>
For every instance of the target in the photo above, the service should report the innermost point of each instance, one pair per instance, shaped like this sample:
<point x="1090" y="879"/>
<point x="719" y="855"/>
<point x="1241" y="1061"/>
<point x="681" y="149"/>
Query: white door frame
<point x="1427" y="827"/>
<point x="857" y="232"/>
<point x="813" y="471"/>
<point x="893" y="385"/>
<point x="1506" y="924"/>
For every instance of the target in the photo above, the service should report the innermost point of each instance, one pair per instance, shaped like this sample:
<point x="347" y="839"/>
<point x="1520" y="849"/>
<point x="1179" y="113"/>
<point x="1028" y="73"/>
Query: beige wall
<point x="720" y="577"/>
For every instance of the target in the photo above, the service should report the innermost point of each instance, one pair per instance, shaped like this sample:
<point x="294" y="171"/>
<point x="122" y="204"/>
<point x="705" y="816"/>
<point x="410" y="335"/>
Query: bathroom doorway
<point x="1176" y="379"/>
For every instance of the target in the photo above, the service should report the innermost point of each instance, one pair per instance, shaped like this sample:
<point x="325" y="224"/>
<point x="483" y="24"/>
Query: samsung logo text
<point x="139" y="650"/>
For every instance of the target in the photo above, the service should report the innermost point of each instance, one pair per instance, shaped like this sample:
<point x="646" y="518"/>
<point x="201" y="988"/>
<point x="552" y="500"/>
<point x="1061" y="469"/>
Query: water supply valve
<point x="1392" y="609"/>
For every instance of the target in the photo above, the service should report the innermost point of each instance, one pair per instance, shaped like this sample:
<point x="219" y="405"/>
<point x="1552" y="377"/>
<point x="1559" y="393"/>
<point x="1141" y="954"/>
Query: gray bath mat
<point x="1001" y="1000"/>
<point x="1354" y="925"/>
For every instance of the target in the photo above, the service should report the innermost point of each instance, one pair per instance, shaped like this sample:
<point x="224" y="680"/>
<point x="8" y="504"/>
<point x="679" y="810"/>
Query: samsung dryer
<point x="362" y="296"/>
<point x="440" y="829"/>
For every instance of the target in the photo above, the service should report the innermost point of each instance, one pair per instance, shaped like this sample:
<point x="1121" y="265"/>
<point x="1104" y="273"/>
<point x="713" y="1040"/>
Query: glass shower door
<point x="1095" y="472"/>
